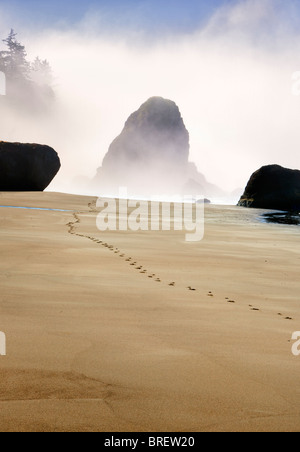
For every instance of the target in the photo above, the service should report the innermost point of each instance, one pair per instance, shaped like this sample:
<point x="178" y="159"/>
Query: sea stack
<point x="27" y="167"/>
<point x="152" y="151"/>
<point x="273" y="187"/>
<point x="151" y="156"/>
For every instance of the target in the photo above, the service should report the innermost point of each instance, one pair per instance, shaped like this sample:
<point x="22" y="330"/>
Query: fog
<point x="232" y="80"/>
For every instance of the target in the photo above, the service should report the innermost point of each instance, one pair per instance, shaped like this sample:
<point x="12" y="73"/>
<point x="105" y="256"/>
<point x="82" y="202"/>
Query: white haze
<point x="231" y="80"/>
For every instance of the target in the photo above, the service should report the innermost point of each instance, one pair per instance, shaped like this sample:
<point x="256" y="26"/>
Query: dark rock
<point x="27" y="167"/>
<point x="273" y="187"/>
<point x="203" y="201"/>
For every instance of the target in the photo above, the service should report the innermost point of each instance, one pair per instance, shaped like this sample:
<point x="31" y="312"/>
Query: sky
<point x="176" y="15"/>
<point x="228" y="65"/>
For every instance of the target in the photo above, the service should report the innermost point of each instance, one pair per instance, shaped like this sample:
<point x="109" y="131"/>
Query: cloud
<point x="230" y="78"/>
<point x="244" y="15"/>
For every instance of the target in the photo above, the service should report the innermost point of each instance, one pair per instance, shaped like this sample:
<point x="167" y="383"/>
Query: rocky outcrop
<point x="273" y="187"/>
<point x="155" y="132"/>
<point x="196" y="184"/>
<point x="151" y="155"/>
<point x="27" y="167"/>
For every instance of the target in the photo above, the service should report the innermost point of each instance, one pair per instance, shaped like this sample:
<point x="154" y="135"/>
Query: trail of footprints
<point x="140" y="268"/>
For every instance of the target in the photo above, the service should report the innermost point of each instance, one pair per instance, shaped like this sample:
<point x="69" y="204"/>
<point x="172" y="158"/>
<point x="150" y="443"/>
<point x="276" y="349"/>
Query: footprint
<point x="255" y="309"/>
<point x="172" y="284"/>
<point x="230" y="301"/>
<point x="191" y="288"/>
<point x="288" y="318"/>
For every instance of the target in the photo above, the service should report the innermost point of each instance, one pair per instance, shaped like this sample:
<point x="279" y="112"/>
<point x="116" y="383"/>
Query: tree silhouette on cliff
<point x="29" y="84"/>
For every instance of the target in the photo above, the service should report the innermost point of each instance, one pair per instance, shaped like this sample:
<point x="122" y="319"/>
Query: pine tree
<point x="13" y="60"/>
<point x="41" y="72"/>
<point x="29" y="85"/>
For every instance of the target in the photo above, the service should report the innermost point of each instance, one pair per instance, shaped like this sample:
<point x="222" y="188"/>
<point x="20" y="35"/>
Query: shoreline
<point x="123" y="331"/>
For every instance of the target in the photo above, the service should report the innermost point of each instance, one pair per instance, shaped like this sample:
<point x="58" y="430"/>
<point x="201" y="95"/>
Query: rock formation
<point x="151" y="155"/>
<point x="27" y="167"/>
<point x="273" y="187"/>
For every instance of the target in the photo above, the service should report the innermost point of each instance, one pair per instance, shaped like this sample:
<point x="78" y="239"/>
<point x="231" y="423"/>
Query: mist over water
<point x="231" y="79"/>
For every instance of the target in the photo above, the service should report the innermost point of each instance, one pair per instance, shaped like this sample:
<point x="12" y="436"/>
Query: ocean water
<point x="36" y="208"/>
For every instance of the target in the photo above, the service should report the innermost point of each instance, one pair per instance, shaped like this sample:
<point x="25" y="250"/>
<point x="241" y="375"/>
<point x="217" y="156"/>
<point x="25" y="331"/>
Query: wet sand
<point x="124" y="331"/>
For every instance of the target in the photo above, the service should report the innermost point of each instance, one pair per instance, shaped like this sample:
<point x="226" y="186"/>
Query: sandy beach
<point x="105" y="334"/>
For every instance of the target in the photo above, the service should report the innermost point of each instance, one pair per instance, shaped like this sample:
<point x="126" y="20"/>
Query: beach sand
<point x="95" y="343"/>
